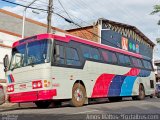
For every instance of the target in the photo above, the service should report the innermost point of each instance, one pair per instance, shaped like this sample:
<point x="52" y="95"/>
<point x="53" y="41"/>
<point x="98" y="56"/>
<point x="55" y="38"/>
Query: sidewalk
<point x="9" y="106"/>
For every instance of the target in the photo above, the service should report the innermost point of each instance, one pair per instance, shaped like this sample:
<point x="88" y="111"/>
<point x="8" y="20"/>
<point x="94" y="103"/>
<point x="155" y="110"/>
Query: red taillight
<point x="10" y="88"/>
<point x="37" y="84"/>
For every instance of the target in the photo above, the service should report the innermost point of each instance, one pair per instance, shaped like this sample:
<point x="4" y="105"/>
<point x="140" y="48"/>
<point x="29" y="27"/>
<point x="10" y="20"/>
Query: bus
<point x="51" y="68"/>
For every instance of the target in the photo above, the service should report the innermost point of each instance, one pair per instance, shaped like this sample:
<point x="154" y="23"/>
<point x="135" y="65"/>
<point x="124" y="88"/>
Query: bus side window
<point x="124" y="60"/>
<point x="72" y="57"/>
<point x="86" y="51"/>
<point x="137" y="62"/>
<point x="109" y="57"/>
<point x="59" y="54"/>
<point x="90" y="52"/>
<point x="105" y="56"/>
<point x="147" y="64"/>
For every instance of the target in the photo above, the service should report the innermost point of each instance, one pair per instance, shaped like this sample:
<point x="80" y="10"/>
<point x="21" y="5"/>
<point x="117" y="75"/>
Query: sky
<point x="85" y="12"/>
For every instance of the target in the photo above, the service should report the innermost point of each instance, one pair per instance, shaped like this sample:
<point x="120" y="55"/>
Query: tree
<point x="155" y="11"/>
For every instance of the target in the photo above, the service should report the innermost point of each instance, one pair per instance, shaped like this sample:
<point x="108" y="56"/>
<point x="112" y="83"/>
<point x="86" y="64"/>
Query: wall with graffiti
<point x="120" y="39"/>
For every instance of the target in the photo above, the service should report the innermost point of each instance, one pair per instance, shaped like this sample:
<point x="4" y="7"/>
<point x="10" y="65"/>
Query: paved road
<point x="103" y="110"/>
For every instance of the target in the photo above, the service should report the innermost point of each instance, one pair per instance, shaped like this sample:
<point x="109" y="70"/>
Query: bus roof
<point x="68" y="38"/>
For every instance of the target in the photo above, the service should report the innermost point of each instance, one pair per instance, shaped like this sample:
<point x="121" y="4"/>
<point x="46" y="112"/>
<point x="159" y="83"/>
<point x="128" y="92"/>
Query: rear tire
<point x="158" y="95"/>
<point x="141" y="95"/>
<point x="78" y="95"/>
<point x="42" y="104"/>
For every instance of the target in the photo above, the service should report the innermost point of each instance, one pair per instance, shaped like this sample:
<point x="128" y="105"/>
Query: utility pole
<point x="50" y="10"/>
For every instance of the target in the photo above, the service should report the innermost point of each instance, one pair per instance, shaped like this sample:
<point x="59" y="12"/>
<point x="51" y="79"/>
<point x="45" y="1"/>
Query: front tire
<point x="42" y="104"/>
<point x="78" y="95"/>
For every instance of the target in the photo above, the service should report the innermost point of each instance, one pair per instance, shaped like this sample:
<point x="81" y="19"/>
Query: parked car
<point x="158" y="90"/>
<point x="2" y="95"/>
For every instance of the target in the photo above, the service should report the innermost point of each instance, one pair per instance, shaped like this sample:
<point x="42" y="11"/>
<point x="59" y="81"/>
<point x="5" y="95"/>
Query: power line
<point x="64" y="9"/>
<point x="34" y="4"/>
<point x="66" y="19"/>
<point x="70" y="17"/>
<point x="23" y="5"/>
<point x="70" y="21"/>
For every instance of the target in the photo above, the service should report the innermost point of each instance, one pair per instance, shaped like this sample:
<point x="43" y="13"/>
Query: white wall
<point x="8" y="40"/>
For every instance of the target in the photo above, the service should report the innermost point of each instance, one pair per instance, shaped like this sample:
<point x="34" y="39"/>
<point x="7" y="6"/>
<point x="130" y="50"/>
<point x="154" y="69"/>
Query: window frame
<point x="65" y="45"/>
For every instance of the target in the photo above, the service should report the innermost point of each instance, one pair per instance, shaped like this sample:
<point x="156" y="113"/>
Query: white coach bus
<point x="50" y="68"/>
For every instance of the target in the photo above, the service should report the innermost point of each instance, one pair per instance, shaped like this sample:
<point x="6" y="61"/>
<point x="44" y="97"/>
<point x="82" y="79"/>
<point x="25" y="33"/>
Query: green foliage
<point x="156" y="9"/>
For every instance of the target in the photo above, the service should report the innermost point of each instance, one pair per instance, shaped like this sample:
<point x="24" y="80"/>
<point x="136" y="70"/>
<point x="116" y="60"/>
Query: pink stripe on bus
<point x="133" y="72"/>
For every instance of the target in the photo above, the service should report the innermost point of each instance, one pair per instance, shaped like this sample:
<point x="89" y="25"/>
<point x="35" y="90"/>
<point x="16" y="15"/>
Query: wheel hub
<point x="78" y="94"/>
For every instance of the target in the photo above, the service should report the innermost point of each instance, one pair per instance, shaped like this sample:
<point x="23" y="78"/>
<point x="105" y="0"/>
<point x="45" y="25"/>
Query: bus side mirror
<point x="6" y="63"/>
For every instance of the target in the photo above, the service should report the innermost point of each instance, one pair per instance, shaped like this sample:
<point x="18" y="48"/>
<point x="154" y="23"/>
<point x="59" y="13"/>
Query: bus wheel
<point x="115" y="99"/>
<point x="158" y="95"/>
<point x="78" y="95"/>
<point x="141" y="95"/>
<point x="42" y="104"/>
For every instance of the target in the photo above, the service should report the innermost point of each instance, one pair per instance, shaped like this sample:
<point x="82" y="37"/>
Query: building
<point x="10" y="31"/>
<point x="117" y="34"/>
<point x="157" y="70"/>
<point x="103" y="31"/>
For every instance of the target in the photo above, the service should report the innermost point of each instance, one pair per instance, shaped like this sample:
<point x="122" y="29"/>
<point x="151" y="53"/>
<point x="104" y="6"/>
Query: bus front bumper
<point x="32" y="96"/>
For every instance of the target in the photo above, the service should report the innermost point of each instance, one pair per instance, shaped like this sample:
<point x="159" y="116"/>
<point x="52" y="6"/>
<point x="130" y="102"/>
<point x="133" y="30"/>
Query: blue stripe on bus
<point x="115" y="86"/>
<point x="9" y="79"/>
<point x="127" y="86"/>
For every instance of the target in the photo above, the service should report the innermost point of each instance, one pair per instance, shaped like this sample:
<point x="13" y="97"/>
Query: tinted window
<point x="147" y="64"/>
<point x="109" y="56"/>
<point x="60" y="56"/>
<point x="90" y="52"/>
<point x="127" y="60"/>
<point x="137" y="62"/>
<point x="72" y="57"/>
<point x="124" y="60"/>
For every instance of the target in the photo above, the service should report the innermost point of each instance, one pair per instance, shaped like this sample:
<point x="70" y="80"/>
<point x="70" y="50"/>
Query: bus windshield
<point x="31" y="53"/>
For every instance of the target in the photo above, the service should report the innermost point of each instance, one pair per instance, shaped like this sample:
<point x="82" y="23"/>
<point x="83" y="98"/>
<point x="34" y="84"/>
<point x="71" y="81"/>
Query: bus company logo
<point x="124" y="43"/>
